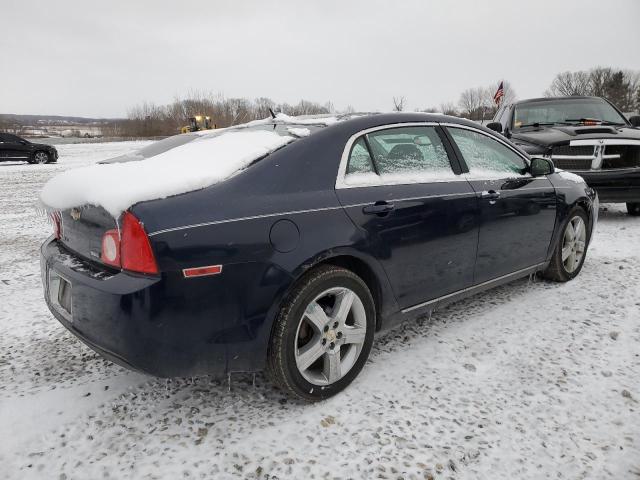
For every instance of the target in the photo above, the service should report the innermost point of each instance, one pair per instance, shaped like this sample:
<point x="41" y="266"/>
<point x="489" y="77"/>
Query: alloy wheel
<point x="573" y="244"/>
<point x="41" y="157"/>
<point x="330" y="336"/>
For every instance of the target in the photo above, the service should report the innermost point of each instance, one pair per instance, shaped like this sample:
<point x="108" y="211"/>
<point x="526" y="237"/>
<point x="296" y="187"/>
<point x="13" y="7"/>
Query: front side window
<point x="399" y="155"/>
<point x="485" y="155"/>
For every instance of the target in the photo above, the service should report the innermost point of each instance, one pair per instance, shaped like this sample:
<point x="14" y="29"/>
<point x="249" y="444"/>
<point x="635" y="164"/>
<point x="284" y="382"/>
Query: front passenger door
<point x="518" y="211"/>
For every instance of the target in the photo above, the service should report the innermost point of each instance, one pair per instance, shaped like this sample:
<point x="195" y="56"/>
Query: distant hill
<point x="10" y="118"/>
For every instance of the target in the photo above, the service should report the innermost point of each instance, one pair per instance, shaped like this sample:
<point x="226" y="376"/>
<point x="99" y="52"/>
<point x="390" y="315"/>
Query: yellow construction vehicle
<point x="197" y="123"/>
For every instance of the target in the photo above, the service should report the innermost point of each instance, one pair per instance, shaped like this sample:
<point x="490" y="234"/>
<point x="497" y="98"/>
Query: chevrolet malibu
<point x="178" y="261"/>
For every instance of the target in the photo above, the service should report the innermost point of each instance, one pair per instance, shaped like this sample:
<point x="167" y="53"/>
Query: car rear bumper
<point x="615" y="186"/>
<point x="142" y="322"/>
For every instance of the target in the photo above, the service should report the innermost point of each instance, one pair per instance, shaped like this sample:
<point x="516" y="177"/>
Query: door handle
<point x="378" y="208"/>
<point x="490" y="195"/>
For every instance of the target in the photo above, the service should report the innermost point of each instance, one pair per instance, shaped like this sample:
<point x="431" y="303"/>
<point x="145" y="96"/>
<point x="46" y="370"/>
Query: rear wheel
<point x="633" y="208"/>
<point x="322" y="335"/>
<point x="40" y="157"/>
<point x="571" y="251"/>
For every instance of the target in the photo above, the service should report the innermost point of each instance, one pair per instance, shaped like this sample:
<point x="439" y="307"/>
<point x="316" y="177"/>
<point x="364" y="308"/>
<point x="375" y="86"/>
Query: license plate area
<point x="60" y="295"/>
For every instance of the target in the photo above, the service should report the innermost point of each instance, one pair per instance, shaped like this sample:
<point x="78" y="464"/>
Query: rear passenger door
<point x="518" y="211"/>
<point x="5" y="146"/>
<point x="417" y="217"/>
<point x="14" y="148"/>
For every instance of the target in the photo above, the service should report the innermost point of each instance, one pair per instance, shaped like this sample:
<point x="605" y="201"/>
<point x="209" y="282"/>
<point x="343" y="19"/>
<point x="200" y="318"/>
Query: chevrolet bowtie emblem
<point x="75" y="214"/>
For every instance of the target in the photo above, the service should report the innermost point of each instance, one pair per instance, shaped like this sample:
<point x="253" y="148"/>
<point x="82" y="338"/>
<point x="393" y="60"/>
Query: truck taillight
<point x="130" y="251"/>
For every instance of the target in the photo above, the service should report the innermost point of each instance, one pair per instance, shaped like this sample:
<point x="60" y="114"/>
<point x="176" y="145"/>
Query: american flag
<point x="499" y="94"/>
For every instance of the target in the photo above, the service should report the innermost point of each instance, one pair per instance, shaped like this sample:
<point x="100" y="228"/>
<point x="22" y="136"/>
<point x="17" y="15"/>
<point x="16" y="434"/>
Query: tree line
<point x="148" y="119"/>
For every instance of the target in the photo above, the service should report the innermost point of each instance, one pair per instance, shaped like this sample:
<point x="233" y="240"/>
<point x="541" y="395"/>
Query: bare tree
<point x="618" y="86"/>
<point x="398" y="104"/>
<point x="567" y="84"/>
<point x="471" y="102"/>
<point x="449" y="108"/>
<point x="598" y="79"/>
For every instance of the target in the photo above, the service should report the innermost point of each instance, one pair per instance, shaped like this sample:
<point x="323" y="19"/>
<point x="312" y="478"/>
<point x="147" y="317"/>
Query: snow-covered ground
<point x="531" y="380"/>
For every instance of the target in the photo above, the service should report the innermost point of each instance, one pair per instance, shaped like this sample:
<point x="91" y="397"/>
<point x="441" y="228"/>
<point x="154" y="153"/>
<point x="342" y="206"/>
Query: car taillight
<point x="56" y="220"/>
<point x="130" y="251"/>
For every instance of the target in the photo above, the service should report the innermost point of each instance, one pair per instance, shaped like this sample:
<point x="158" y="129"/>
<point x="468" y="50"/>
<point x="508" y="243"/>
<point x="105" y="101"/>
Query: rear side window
<point x="399" y="155"/>
<point x="408" y="149"/>
<point x="359" y="159"/>
<point x="8" y="138"/>
<point x="485" y="155"/>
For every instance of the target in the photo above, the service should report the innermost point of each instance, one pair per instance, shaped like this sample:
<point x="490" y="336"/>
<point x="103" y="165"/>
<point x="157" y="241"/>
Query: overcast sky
<point x="100" y="58"/>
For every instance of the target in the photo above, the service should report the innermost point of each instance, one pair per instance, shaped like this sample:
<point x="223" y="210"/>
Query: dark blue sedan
<point x="292" y="264"/>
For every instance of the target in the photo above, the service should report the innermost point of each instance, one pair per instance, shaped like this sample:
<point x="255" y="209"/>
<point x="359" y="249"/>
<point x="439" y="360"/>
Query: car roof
<point x="363" y="120"/>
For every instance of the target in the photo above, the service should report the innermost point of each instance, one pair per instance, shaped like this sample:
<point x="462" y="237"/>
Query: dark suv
<point x="585" y="135"/>
<point x="14" y="148"/>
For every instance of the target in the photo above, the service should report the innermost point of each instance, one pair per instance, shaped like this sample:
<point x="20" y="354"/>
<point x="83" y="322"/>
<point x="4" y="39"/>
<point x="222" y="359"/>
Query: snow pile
<point x="364" y="179"/>
<point x="572" y="177"/>
<point x="489" y="174"/>
<point x="299" y="132"/>
<point x="192" y="166"/>
<point x="281" y="117"/>
<point x="289" y="120"/>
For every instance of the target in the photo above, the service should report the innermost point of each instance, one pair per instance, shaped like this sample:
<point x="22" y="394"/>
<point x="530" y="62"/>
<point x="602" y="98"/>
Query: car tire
<point x="40" y="157"/>
<point x="324" y="329"/>
<point x="571" y="251"/>
<point x="633" y="208"/>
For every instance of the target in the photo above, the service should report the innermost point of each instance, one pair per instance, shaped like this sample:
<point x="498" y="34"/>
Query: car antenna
<point x="273" y="115"/>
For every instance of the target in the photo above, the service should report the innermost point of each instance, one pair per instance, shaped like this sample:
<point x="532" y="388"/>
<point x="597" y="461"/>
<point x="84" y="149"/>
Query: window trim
<point x="342" y="169"/>
<point x="344" y="160"/>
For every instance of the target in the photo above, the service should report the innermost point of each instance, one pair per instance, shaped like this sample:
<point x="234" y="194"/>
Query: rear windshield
<point x="161" y="146"/>
<point x="565" y="111"/>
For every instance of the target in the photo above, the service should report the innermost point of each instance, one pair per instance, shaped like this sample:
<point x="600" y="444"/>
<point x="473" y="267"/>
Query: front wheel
<point x="571" y="251"/>
<point x="322" y="335"/>
<point x="633" y="208"/>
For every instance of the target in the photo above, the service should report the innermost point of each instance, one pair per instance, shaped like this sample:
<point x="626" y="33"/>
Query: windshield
<point x="565" y="111"/>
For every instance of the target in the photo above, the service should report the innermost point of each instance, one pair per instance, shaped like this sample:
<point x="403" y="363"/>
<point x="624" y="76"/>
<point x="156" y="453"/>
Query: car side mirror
<point x="635" y="120"/>
<point x="541" y="166"/>
<point x="495" y="126"/>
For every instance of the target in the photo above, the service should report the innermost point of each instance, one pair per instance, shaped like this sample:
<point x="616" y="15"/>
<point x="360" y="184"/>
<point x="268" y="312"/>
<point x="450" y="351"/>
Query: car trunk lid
<point x="82" y="230"/>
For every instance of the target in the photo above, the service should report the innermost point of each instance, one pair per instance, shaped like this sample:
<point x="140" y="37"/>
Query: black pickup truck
<point x="588" y="136"/>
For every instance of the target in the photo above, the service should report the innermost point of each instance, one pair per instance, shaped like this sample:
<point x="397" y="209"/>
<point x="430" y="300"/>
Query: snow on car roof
<point x="197" y="164"/>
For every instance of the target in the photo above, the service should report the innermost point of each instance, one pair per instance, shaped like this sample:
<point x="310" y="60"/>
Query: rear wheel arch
<point x="365" y="272"/>
<point x="375" y="279"/>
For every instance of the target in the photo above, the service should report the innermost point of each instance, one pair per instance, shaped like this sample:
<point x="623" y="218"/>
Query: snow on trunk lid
<point x="200" y="163"/>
